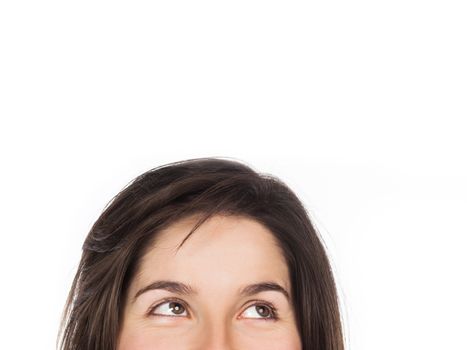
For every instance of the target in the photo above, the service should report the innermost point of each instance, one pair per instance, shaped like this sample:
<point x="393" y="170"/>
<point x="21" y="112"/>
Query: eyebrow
<point x="185" y="289"/>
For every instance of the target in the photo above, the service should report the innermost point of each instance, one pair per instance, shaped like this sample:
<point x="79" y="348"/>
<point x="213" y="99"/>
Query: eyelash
<point x="273" y="317"/>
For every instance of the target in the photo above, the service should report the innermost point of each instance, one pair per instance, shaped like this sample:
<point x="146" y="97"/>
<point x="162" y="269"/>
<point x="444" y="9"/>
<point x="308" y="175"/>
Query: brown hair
<point x="116" y="242"/>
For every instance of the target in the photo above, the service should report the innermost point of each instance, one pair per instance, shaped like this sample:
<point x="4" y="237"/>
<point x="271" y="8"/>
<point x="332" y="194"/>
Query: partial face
<point x="203" y="296"/>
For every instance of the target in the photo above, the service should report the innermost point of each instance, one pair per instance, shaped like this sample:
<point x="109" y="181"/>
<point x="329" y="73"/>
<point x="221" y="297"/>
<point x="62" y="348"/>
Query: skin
<point x="222" y="256"/>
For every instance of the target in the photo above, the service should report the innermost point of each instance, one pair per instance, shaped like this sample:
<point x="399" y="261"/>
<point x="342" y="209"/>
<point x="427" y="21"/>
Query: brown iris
<point x="263" y="310"/>
<point x="177" y="308"/>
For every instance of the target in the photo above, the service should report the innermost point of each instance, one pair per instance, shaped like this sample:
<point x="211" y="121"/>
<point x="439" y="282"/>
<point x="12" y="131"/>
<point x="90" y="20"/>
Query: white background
<point x="358" y="105"/>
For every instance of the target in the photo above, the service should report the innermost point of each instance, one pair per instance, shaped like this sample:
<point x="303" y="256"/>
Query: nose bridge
<point x="215" y="334"/>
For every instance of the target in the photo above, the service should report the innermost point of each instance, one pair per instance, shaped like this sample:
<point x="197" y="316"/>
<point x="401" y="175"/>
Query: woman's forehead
<point x="231" y="249"/>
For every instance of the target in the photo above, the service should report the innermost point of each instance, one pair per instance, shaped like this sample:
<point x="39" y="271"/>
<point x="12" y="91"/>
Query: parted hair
<point x="120" y="237"/>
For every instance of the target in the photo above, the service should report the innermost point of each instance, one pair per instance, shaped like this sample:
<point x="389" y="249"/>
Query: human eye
<point x="265" y="310"/>
<point x="169" y="307"/>
<point x="177" y="308"/>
